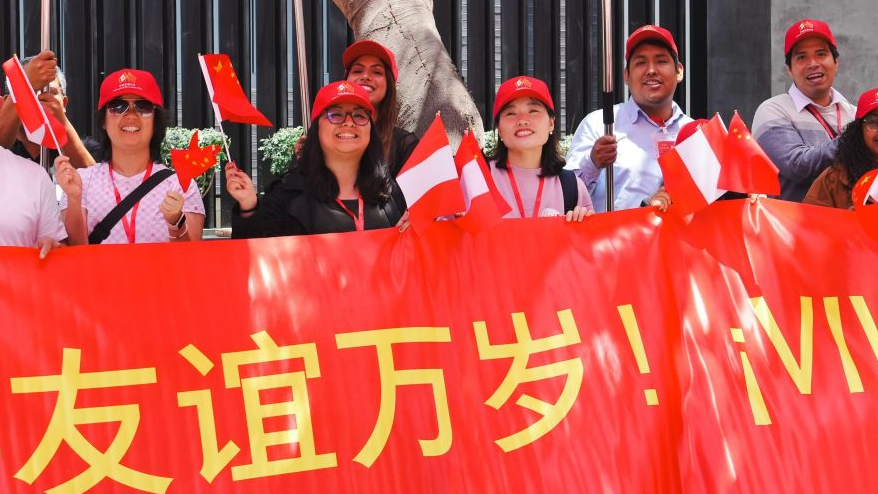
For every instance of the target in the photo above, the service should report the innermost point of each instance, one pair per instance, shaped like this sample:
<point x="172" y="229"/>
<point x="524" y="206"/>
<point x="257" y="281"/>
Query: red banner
<point x="629" y="353"/>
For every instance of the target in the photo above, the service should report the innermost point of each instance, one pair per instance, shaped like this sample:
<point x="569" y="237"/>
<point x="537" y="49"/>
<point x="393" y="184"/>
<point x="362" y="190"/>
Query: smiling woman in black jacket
<point x="340" y="184"/>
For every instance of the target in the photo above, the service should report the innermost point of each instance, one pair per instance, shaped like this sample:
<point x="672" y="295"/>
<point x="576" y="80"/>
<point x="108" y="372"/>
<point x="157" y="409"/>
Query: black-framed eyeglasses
<point x="144" y="108"/>
<point x="359" y="117"/>
<point x="871" y="122"/>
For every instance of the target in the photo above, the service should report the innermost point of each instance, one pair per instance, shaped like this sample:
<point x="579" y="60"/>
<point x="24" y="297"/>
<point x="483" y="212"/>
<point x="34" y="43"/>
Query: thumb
<point x="45" y="245"/>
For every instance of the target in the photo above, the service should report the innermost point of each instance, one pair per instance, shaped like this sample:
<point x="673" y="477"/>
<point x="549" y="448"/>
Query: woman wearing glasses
<point x="131" y="125"/>
<point x="857" y="154"/>
<point x="339" y="184"/>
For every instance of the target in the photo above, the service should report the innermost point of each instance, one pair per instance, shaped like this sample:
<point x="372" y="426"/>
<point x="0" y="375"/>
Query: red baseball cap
<point x="649" y="32"/>
<point x="522" y="87"/>
<point x="340" y="92"/>
<point x="690" y="128"/>
<point x="868" y="102"/>
<point x="368" y="47"/>
<point x="807" y="28"/>
<point x="130" y="81"/>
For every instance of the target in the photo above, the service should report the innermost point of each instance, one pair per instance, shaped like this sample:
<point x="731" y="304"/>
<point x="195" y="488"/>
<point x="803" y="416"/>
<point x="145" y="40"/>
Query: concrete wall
<point x="738" y="68"/>
<point x="853" y="22"/>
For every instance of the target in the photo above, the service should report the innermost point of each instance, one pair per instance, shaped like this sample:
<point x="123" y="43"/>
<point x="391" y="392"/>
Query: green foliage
<point x="179" y="137"/>
<point x="280" y="147"/>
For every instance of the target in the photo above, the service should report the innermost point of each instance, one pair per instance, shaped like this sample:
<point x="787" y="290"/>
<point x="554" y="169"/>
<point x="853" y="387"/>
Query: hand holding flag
<point x="39" y="126"/>
<point x="429" y="179"/>
<point x="193" y="162"/>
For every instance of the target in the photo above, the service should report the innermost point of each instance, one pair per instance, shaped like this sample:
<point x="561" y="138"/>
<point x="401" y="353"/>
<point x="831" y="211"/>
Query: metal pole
<point x="45" y="44"/>
<point x="608" y="100"/>
<point x="301" y="56"/>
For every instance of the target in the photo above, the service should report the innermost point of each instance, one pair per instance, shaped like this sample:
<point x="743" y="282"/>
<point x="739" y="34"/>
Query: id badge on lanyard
<point x="664" y="141"/>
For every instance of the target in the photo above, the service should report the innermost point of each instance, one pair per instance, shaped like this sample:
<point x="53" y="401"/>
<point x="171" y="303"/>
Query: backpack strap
<point x="569" y="189"/>
<point x="102" y="230"/>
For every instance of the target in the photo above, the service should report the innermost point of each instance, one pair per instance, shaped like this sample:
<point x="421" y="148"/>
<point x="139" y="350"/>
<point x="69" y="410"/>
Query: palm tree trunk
<point x="428" y="79"/>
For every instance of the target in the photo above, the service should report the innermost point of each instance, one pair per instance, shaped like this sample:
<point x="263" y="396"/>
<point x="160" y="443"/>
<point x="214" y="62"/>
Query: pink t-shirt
<point x="27" y="202"/>
<point x="98" y="200"/>
<point x="528" y="182"/>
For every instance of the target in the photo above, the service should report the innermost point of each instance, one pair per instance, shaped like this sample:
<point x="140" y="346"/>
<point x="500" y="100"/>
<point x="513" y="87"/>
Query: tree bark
<point x="428" y="79"/>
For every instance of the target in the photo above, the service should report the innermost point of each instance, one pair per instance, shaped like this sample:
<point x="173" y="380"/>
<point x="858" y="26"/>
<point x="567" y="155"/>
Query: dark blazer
<point x="287" y="208"/>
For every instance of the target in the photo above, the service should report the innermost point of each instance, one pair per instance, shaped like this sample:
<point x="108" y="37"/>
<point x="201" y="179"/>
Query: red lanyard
<point x="359" y="220"/>
<point x="130" y="228"/>
<point x="518" y="201"/>
<point x="832" y="133"/>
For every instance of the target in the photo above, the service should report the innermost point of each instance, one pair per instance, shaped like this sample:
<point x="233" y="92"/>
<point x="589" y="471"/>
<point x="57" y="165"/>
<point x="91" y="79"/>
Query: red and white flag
<point x="692" y="168"/>
<point x="230" y="102"/>
<point x="429" y="179"/>
<point x="485" y="207"/>
<point x="39" y="126"/>
<point x="746" y="167"/>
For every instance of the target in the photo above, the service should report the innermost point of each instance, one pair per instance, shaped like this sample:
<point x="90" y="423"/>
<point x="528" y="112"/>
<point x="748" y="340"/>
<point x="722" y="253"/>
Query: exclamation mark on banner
<point x="626" y="312"/>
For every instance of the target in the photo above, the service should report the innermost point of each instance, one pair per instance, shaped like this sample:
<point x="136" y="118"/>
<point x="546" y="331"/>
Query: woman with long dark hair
<point x="527" y="166"/>
<point x="339" y="184"/>
<point x="131" y="125"/>
<point x="857" y="154"/>
<point x="373" y="67"/>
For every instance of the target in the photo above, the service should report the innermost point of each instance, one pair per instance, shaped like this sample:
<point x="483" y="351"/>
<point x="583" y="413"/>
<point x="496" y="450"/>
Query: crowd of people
<point x="116" y="190"/>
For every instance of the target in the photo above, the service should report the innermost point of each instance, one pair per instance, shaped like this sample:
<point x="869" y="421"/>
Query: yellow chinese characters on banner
<point x="66" y="417"/>
<point x="383" y="341"/>
<point x="214" y="460"/>
<point x="519" y="373"/>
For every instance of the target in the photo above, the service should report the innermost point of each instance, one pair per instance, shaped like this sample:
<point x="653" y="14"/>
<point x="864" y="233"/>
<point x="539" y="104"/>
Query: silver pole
<point x="45" y="44"/>
<point x="302" y="60"/>
<point x="608" y="100"/>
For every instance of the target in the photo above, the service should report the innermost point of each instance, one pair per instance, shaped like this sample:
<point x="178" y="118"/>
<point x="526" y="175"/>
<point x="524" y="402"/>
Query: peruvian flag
<point x="229" y="100"/>
<point x="485" y="207"/>
<point x="692" y="168"/>
<point x="40" y="127"/>
<point x="746" y="167"/>
<point x="429" y="179"/>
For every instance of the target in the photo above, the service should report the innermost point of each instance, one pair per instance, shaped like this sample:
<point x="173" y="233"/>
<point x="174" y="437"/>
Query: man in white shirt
<point x="30" y="214"/>
<point x="798" y="129"/>
<point x="645" y="126"/>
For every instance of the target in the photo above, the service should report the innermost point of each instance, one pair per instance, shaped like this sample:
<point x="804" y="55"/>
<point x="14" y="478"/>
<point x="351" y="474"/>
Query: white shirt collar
<point x="801" y="101"/>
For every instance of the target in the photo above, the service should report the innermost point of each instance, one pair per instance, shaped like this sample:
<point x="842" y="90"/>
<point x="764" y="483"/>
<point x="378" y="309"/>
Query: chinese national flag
<point x="865" y="199"/>
<point x="485" y="206"/>
<point x="226" y="92"/>
<point x="193" y="162"/>
<point x="40" y="127"/>
<point x="429" y="179"/>
<point x="745" y="166"/>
